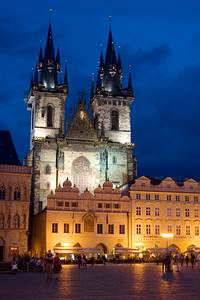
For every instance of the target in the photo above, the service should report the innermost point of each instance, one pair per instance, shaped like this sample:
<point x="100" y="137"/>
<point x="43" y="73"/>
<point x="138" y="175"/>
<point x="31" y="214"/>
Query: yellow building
<point x="165" y="206"/>
<point x="74" y="222"/>
<point x="14" y="210"/>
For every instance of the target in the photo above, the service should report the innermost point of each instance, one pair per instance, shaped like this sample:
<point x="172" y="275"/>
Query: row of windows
<point x="149" y="230"/>
<point x="16" y="193"/>
<point x="169" y="212"/>
<point x="109" y="205"/>
<point x="8" y="222"/>
<point x="114" y="102"/>
<point x="66" y="229"/>
<point x="167" y="197"/>
<point x="75" y="204"/>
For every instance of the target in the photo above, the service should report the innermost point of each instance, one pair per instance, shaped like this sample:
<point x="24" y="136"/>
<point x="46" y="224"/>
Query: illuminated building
<point x="73" y="221"/>
<point x="165" y="206"/>
<point x="14" y="201"/>
<point x="96" y="143"/>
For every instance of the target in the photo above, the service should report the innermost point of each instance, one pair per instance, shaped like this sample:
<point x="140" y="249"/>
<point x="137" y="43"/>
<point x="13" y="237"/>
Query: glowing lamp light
<point x="65" y="244"/>
<point x="167" y="235"/>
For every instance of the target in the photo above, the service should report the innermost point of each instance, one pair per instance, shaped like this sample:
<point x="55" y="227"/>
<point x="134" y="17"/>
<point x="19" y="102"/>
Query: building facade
<point x="95" y="144"/>
<point x="71" y="220"/>
<point x="14" y="210"/>
<point x="108" y="222"/>
<point x="165" y="206"/>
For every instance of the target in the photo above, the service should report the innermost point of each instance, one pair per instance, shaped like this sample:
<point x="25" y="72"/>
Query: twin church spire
<point x="109" y="77"/>
<point x="48" y="69"/>
<point x="48" y="73"/>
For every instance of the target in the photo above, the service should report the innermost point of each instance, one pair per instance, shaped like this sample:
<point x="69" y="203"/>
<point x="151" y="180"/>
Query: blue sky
<point x="160" y="39"/>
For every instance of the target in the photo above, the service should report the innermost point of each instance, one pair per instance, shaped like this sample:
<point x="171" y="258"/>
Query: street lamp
<point x="167" y="236"/>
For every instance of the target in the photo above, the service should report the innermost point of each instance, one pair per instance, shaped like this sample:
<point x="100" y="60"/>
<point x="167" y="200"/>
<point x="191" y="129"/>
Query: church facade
<point x="94" y="145"/>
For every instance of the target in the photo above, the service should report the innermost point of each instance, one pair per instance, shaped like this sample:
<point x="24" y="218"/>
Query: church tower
<point x="111" y="104"/>
<point x="48" y="91"/>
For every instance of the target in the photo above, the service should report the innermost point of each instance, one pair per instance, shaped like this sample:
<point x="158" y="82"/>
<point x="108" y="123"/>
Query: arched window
<point x="16" y="221"/>
<point x="48" y="170"/>
<point x="17" y="194"/>
<point x="2" y="220"/>
<point x="2" y="193"/>
<point x="89" y="224"/>
<point x="114" y="120"/>
<point x="49" y="116"/>
<point x="81" y="173"/>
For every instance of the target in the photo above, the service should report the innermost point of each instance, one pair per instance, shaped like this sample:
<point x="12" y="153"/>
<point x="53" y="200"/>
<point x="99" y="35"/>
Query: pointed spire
<point x="58" y="61"/>
<point x="49" y="56"/>
<point x="110" y="52"/>
<point x="130" y="88"/>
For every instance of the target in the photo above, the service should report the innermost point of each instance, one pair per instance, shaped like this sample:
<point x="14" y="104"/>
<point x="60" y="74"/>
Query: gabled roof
<point x="8" y="154"/>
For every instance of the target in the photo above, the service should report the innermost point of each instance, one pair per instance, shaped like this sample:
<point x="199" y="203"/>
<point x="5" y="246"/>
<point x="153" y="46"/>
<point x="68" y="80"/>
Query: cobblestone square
<point x="140" y="281"/>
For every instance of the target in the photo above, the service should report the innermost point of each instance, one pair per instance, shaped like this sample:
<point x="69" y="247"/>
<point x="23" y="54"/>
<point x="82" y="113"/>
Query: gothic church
<point x="95" y="143"/>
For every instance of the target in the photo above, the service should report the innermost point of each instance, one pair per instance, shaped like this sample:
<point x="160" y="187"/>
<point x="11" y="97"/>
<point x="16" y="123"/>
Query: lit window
<point x="187" y="212"/>
<point x="54" y="227"/>
<point x="110" y="228"/>
<point x="186" y="198"/>
<point x="77" y="228"/>
<point x="177" y="198"/>
<point x="66" y="228"/>
<point x="169" y="212"/>
<point x="121" y="229"/>
<point x="148" y="211"/>
<point x="59" y="203"/>
<point x="107" y="205"/>
<point x="187" y="230"/>
<point x="157" y="211"/>
<point x="138" y="229"/>
<point x="169" y="228"/>
<point x="196" y="213"/>
<point x="178" y="230"/>
<point x="178" y="212"/>
<point x="196" y="230"/>
<point x="138" y="211"/>
<point x="116" y="205"/>
<point x="157" y="229"/>
<point x="148" y="197"/>
<point x="169" y="197"/>
<point x="99" y="228"/>
<point x="156" y="197"/>
<point x="148" y="229"/>
<point x="138" y="196"/>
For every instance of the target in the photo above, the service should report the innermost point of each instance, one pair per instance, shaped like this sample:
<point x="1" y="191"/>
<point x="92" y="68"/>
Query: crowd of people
<point x="178" y="260"/>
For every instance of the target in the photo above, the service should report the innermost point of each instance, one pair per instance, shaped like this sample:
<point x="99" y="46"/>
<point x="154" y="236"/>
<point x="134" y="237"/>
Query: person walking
<point x="192" y="259"/>
<point x="187" y="260"/>
<point x="177" y="261"/>
<point x="49" y="264"/>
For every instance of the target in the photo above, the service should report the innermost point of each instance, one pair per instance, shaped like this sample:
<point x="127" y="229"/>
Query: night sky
<point x="160" y="39"/>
